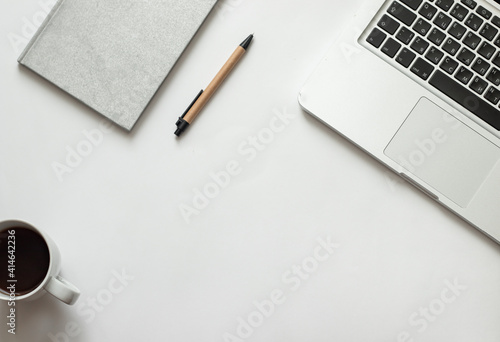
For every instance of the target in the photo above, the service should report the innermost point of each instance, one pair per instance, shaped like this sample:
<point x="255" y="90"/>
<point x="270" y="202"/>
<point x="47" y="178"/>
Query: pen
<point x="204" y="96"/>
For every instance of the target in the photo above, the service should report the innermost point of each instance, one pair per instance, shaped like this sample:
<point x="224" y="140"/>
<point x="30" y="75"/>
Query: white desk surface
<point x="397" y="254"/>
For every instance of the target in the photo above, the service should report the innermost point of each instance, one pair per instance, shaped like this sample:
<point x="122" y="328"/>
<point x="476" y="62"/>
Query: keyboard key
<point x="388" y="24"/>
<point x="483" y="12"/>
<point x="494" y="76"/>
<point x="451" y="46"/>
<point x="471" y="40"/>
<point x="422" y="27"/>
<point x="488" y="32"/>
<point x="486" y="50"/>
<point x="481" y="66"/>
<point x="428" y="11"/>
<point x="422" y="69"/>
<point x="474" y="22"/>
<point x="497" y="41"/>
<point x="405" y="57"/>
<point x="459" y="12"/>
<point x="492" y="95"/>
<point x="496" y="60"/>
<point x="419" y="45"/>
<point x="376" y="37"/>
<point x="466" y="56"/>
<point x="437" y="37"/>
<point x="449" y="65"/>
<point x="496" y="21"/>
<point x="444" y="4"/>
<point x="469" y="3"/>
<point x="457" y="30"/>
<point x="466" y="98"/>
<point x="405" y="35"/>
<point x="442" y="20"/>
<point x="413" y="4"/>
<point x="402" y="13"/>
<point x="464" y="75"/>
<point x="391" y="47"/>
<point x="434" y="55"/>
<point x="479" y="85"/>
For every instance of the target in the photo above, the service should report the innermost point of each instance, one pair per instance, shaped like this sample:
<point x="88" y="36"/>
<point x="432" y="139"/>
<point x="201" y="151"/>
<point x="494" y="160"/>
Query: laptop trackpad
<point x="443" y="152"/>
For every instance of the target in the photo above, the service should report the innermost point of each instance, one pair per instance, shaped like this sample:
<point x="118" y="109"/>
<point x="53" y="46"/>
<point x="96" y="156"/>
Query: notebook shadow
<point x="61" y="95"/>
<point x="80" y="106"/>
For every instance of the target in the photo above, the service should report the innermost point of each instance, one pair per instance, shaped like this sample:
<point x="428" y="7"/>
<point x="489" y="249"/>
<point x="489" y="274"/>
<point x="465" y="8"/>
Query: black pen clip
<point x="192" y="104"/>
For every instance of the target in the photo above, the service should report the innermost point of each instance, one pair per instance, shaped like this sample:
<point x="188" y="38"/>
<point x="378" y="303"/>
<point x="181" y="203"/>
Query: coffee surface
<point x="30" y="264"/>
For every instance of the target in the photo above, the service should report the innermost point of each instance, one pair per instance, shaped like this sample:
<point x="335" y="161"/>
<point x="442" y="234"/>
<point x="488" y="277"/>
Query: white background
<point x="119" y="209"/>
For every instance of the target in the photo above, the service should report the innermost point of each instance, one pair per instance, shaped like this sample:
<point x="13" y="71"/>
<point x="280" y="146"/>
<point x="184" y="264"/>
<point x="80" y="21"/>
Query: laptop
<point x="416" y="84"/>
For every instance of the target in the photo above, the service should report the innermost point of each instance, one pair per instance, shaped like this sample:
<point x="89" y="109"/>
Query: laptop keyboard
<point x="454" y="45"/>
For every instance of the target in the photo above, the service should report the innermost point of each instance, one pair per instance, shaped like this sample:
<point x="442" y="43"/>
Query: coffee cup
<point x="30" y="263"/>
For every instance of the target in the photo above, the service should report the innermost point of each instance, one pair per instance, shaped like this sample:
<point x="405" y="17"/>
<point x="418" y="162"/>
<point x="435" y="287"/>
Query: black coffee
<point x="25" y="258"/>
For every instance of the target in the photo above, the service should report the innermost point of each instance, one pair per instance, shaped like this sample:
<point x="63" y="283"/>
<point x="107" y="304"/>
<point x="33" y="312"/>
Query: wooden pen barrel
<point x="214" y="85"/>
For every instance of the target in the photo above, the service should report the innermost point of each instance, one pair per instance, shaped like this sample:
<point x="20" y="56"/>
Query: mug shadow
<point x="43" y="320"/>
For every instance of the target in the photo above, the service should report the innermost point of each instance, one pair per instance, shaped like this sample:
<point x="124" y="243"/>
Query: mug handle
<point x="62" y="290"/>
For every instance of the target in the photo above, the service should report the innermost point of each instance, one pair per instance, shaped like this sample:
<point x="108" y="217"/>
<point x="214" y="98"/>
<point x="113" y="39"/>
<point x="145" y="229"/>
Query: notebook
<point x="113" y="55"/>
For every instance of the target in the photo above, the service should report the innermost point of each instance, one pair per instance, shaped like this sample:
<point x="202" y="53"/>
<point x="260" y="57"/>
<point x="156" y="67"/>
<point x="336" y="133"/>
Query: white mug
<point x="52" y="283"/>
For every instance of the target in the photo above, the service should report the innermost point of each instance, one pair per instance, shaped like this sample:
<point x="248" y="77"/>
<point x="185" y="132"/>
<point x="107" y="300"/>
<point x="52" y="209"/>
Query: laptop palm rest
<point x="443" y="152"/>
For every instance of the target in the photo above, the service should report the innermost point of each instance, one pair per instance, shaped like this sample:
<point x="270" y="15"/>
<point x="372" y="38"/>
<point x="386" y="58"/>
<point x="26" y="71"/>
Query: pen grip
<point x="214" y="85"/>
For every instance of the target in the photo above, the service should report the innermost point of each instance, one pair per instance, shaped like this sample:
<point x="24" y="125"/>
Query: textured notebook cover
<point x="113" y="55"/>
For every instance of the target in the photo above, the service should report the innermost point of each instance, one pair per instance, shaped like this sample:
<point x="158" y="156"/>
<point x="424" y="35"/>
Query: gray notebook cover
<point x="113" y="55"/>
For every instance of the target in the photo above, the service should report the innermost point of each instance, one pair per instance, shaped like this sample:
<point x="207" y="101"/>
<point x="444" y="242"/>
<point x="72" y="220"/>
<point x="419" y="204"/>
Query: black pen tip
<point x="246" y="42"/>
<point x="182" y="125"/>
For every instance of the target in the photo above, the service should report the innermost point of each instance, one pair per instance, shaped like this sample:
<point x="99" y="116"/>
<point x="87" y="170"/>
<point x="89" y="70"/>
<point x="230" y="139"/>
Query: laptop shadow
<point x="338" y="139"/>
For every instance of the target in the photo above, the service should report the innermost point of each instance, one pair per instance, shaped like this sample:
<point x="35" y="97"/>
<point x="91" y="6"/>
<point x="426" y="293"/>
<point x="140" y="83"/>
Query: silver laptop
<point x="416" y="84"/>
